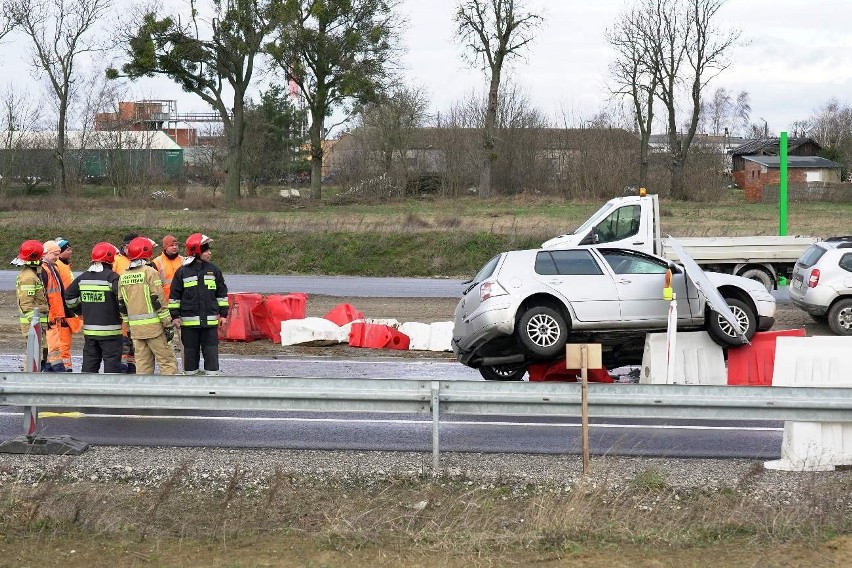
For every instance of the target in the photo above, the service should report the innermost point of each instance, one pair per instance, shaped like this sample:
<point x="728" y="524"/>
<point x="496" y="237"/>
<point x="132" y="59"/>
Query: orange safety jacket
<point x="167" y="267"/>
<point x="120" y="264"/>
<point x="67" y="277"/>
<point x="55" y="290"/>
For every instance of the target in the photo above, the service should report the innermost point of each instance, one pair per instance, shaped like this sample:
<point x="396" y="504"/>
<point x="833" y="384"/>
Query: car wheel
<point x="840" y="317"/>
<point x="761" y="276"/>
<point x="723" y="333"/>
<point x="542" y="331"/>
<point x="503" y="372"/>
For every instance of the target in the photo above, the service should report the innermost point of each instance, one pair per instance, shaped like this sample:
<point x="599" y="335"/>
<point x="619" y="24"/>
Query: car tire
<point x="503" y="372"/>
<point x="720" y="330"/>
<point x="840" y="317"/>
<point x="761" y="276"/>
<point x="542" y="331"/>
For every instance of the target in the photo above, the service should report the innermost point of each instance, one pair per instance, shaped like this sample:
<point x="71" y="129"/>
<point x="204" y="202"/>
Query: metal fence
<point x="220" y="393"/>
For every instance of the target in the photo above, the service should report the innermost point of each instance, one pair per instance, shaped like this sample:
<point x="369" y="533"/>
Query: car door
<point x="577" y="276"/>
<point x="640" y="280"/>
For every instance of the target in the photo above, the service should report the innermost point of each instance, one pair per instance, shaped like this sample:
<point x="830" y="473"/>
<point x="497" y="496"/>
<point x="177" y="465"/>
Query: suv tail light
<point x="813" y="279"/>
<point x="490" y="289"/>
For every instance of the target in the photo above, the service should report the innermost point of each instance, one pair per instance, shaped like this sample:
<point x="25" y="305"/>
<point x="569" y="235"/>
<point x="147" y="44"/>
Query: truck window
<point x="620" y="224"/>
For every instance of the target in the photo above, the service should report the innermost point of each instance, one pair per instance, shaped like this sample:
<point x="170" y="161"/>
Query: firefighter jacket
<point x="31" y="295"/>
<point x="95" y="295"/>
<point x="199" y="295"/>
<point x="55" y="289"/>
<point x="167" y="267"/>
<point x="66" y="276"/>
<point x="120" y="264"/>
<point x="143" y="304"/>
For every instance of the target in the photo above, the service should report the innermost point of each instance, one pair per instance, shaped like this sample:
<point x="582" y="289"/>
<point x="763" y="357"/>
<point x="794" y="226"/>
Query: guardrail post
<point x="436" y="436"/>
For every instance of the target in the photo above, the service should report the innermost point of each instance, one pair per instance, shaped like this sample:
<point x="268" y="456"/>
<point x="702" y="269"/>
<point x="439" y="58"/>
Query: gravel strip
<point x="213" y="468"/>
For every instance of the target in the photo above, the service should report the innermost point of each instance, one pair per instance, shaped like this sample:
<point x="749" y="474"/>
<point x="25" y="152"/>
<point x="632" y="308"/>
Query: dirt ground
<point x="425" y="310"/>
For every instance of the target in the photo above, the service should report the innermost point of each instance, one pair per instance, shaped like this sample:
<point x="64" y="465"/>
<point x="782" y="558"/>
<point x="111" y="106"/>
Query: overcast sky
<point x="798" y="57"/>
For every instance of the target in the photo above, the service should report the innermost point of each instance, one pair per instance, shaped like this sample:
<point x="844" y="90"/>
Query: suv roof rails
<point x="843" y="238"/>
<point x="845" y="245"/>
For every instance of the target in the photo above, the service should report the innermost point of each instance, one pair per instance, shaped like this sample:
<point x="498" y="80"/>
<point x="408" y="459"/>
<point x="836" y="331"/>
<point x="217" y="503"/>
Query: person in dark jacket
<point x="94" y="294"/>
<point x="198" y="303"/>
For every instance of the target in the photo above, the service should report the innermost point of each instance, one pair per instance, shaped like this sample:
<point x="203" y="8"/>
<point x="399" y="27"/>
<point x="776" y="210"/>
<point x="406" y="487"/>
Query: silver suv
<point x="524" y="305"/>
<point x="822" y="283"/>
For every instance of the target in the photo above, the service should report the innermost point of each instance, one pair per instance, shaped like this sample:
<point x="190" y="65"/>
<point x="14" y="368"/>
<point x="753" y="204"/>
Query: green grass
<point x="414" y="237"/>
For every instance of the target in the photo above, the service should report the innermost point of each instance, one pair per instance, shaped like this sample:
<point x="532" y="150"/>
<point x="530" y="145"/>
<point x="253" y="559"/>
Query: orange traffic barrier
<point x="276" y="308"/>
<point x="240" y="324"/>
<point x="398" y="340"/>
<point x="370" y="335"/>
<point x="556" y="371"/>
<point x="754" y="364"/>
<point x="343" y="314"/>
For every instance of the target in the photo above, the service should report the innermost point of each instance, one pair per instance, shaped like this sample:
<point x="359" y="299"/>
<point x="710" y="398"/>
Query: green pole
<point x="782" y="186"/>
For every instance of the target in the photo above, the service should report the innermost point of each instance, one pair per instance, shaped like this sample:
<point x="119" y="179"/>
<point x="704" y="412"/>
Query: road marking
<point x="424" y="422"/>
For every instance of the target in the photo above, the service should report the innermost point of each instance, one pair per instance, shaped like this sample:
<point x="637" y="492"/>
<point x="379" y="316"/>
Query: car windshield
<point x="811" y="256"/>
<point x="597" y="215"/>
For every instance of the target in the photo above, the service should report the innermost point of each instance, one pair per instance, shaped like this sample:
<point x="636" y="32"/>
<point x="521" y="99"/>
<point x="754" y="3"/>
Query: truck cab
<point x="622" y="222"/>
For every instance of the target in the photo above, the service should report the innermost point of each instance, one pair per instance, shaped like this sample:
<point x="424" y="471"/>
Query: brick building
<point x="759" y="171"/>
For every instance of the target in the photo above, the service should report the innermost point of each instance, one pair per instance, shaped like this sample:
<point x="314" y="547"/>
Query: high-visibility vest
<point x="167" y="267"/>
<point x="54" y="290"/>
<point x="67" y="277"/>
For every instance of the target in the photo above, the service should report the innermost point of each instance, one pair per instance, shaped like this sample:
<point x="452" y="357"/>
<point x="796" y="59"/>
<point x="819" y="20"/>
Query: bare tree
<point x="742" y="112"/>
<point x="19" y="115"/>
<point x="689" y="51"/>
<point x="493" y="31"/>
<point x="7" y="19"/>
<point x="635" y="72"/>
<point x="60" y="31"/>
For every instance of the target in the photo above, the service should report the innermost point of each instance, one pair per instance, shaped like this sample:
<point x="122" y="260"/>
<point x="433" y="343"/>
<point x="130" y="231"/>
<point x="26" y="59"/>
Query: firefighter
<point x="198" y="304"/>
<point x="94" y="294"/>
<point x="168" y="262"/>
<point x="143" y="305"/>
<point x="58" y="331"/>
<point x="128" y="357"/>
<point x="29" y="289"/>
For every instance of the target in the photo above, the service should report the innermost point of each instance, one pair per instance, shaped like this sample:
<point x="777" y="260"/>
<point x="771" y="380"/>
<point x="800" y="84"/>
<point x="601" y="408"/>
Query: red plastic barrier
<point x="556" y="371"/>
<point x="240" y="324"/>
<point x="754" y="364"/>
<point x="277" y="308"/>
<point x="370" y="335"/>
<point x="343" y="314"/>
<point x="398" y="340"/>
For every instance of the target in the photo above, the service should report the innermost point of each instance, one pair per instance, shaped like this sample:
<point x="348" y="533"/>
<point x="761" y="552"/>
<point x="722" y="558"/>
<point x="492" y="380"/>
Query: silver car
<point x="822" y="283"/>
<point x="524" y="306"/>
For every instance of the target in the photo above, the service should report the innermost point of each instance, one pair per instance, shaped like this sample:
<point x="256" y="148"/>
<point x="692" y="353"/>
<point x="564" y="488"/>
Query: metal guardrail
<point x="422" y="396"/>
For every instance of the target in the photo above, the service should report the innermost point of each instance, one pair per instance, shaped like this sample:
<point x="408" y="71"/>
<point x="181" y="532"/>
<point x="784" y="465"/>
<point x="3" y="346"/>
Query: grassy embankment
<point x="414" y="237"/>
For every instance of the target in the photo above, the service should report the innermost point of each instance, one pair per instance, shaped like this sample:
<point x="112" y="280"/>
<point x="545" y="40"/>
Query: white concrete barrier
<point x="429" y="337"/>
<point x="813" y="362"/>
<point x="698" y="360"/>
<point x="310" y="331"/>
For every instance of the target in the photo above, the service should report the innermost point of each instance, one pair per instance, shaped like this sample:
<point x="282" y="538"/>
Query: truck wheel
<point x="761" y="276"/>
<point x="503" y="372"/>
<point x="721" y="331"/>
<point x="840" y="317"/>
<point x="542" y="331"/>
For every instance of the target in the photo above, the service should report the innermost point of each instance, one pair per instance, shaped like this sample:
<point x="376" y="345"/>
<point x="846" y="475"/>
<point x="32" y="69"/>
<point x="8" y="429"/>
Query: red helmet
<point x="104" y="252"/>
<point x="140" y="247"/>
<point x="195" y="242"/>
<point x="31" y="251"/>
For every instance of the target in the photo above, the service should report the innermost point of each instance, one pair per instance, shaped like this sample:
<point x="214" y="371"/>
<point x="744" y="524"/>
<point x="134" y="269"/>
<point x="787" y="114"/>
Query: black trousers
<point x="107" y="349"/>
<point x="199" y="341"/>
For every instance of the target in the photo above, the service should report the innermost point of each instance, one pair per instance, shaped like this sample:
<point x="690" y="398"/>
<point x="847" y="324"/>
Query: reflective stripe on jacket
<point x="55" y="290"/>
<point x="95" y="294"/>
<point x="29" y="289"/>
<point x="199" y="295"/>
<point x="167" y="267"/>
<point x="143" y="302"/>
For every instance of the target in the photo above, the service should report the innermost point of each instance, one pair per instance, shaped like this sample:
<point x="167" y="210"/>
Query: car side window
<point x="620" y="224"/>
<point x="544" y="264"/>
<point x="573" y="263"/>
<point x="846" y="262"/>
<point x="623" y="262"/>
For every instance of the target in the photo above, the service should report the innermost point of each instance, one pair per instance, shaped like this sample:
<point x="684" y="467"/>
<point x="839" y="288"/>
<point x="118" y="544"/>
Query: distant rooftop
<point x="793" y="161"/>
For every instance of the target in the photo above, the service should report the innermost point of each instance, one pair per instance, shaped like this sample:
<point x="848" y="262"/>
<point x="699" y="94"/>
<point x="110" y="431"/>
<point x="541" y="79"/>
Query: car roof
<point x="834" y="243"/>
